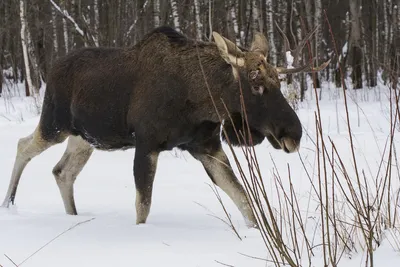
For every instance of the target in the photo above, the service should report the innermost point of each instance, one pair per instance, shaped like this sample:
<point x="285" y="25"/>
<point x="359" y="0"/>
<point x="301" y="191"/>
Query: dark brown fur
<point x="153" y="91"/>
<point x="153" y="96"/>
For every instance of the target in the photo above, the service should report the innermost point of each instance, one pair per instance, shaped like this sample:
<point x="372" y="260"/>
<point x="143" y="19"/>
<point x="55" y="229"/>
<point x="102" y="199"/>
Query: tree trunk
<point x="2" y="37"/>
<point x="309" y="14"/>
<point x="65" y="32"/>
<point x="394" y="48"/>
<point x="55" y="36"/>
<point x="235" y="21"/>
<point x="175" y="15"/>
<point x="282" y="9"/>
<point x="256" y="25"/>
<point x="96" y="22"/>
<point x="156" y="8"/>
<point x="30" y="90"/>
<point x="371" y="42"/>
<point x="199" y="25"/>
<point x="270" y="32"/>
<point x="386" y="35"/>
<point x="355" y="53"/>
<point x="318" y="37"/>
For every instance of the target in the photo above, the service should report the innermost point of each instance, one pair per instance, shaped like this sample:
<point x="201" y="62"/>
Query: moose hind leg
<point x="218" y="168"/>
<point x="28" y="148"/>
<point x="75" y="157"/>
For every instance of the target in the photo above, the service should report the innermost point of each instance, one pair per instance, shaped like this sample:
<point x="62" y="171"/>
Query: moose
<point x="166" y="91"/>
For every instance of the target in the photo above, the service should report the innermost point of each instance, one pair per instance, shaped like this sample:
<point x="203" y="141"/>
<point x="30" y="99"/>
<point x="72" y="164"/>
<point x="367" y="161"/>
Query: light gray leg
<point x="145" y="165"/>
<point x="28" y="148"/>
<point x="67" y="169"/>
<point x="217" y="166"/>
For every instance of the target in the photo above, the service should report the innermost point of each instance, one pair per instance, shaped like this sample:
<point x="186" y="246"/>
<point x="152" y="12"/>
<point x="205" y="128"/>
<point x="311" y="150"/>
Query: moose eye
<point x="254" y="74"/>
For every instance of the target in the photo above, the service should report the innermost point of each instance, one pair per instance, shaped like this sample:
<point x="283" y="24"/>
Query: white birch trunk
<point x="96" y="22"/>
<point x="235" y="23"/>
<point x="35" y="76"/>
<point x="398" y="16"/>
<point x="73" y="14"/>
<point x="175" y="15"/>
<point x="317" y="21"/>
<point x="391" y="19"/>
<point x="297" y="32"/>
<point x="25" y="47"/>
<point x="377" y="35"/>
<point x="156" y="9"/>
<point x="65" y="32"/>
<point x="255" y="17"/>
<point x="309" y="14"/>
<point x="386" y="26"/>
<point x="54" y="23"/>
<point x="283" y="10"/>
<point x="270" y="32"/>
<point x="199" y="26"/>
<point x="210" y="18"/>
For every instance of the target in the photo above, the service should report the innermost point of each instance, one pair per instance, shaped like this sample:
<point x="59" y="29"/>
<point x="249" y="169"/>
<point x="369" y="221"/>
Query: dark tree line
<point x="366" y="32"/>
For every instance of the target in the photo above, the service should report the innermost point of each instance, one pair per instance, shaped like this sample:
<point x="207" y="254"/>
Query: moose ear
<point x="260" y="44"/>
<point x="229" y="51"/>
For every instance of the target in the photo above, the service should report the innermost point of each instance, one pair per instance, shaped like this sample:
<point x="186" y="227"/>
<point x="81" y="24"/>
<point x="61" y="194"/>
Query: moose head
<point x="269" y="115"/>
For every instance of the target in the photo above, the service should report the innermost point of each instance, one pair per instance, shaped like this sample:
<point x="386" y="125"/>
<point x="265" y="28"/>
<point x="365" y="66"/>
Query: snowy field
<point x="183" y="228"/>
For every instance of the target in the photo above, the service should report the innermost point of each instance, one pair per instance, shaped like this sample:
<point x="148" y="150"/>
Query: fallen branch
<point x="49" y="242"/>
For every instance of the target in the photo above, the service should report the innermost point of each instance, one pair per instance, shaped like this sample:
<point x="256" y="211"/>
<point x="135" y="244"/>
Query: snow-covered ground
<point x="183" y="228"/>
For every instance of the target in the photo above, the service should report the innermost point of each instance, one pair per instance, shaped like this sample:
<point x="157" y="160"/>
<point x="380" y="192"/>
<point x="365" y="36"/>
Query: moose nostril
<point x="289" y="145"/>
<point x="289" y="140"/>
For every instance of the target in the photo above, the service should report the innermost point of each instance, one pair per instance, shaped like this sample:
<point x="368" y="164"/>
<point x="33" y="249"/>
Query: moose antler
<point x="296" y="52"/>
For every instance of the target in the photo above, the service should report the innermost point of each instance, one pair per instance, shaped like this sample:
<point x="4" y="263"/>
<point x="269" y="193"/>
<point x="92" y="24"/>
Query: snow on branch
<point x="128" y="33"/>
<point x="67" y="16"/>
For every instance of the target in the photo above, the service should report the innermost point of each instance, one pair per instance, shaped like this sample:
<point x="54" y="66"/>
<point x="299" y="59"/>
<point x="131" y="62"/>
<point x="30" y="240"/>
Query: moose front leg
<point x="218" y="168"/>
<point x="145" y="165"/>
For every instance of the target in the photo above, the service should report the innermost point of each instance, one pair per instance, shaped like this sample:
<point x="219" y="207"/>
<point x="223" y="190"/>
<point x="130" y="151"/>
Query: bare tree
<point x="355" y="53"/>
<point x="156" y="8"/>
<point x="59" y="26"/>
<point x="65" y="30"/>
<point x="199" y="25"/>
<point x="232" y="9"/>
<point x="175" y="15"/>
<point x="30" y="89"/>
<point x="270" y="31"/>
<point x="55" y="36"/>
<point x="96" y="22"/>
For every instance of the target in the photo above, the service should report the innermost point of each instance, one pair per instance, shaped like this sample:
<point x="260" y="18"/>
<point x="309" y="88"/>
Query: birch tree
<point x="355" y="53"/>
<point x="78" y="29"/>
<point x="386" y="30"/>
<point x="270" y="32"/>
<point x="65" y="31"/>
<point x="255" y="16"/>
<point x="282" y="9"/>
<point x="54" y="24"/>
<point x="30" y="89"/>
<point x="234" y="21"/>
<point x="309" y="14"/>
<point x="156" y="10"/>
<point x="199" y="25"/>
<point x="318" y="36"/>
<point x="59" y="26"/>
<point x="96" y="22"/>
<point x="175" y="15"/>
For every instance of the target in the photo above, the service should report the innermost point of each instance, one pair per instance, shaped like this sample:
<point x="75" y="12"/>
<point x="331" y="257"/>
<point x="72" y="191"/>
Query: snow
<point x="183" y="228"/>
<point x="289" y="60"/>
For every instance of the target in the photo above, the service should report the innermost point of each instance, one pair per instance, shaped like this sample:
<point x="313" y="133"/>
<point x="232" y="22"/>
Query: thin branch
<point x="68" y="16"/>
<point x="9" y="260"/>
<point x="48" y="243"/>
<point x="224" y="264"/>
